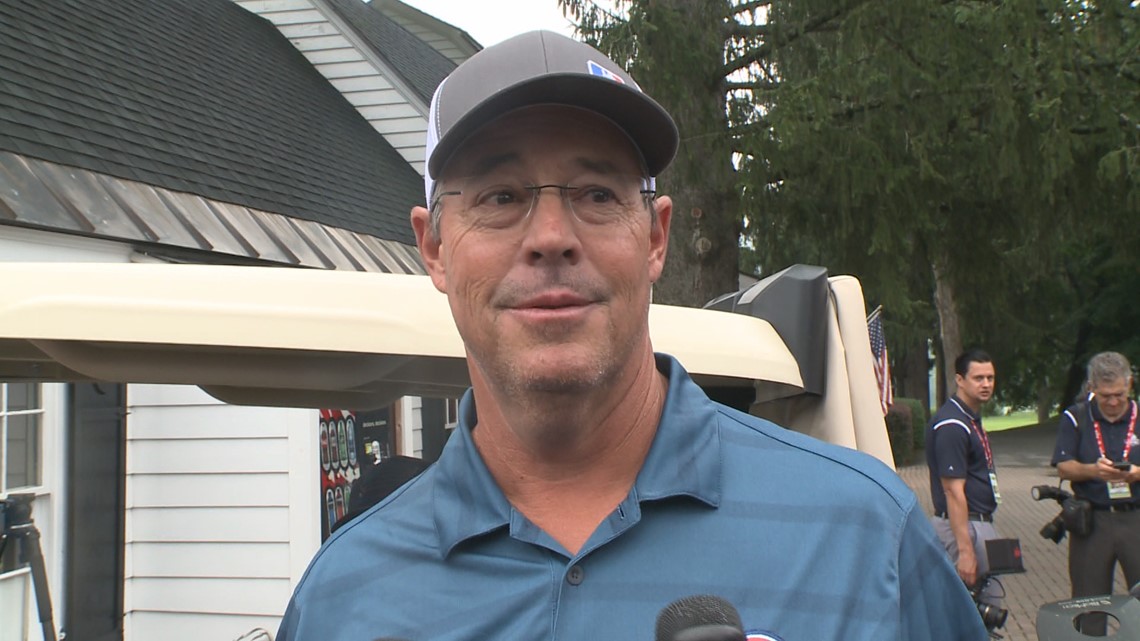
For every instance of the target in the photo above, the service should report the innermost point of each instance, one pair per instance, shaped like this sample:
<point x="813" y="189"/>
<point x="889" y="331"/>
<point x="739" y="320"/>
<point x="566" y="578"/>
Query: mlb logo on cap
<point x="596" y="69"/>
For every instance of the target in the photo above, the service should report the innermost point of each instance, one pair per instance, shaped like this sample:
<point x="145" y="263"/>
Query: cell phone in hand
<point x="1123" y="466"/>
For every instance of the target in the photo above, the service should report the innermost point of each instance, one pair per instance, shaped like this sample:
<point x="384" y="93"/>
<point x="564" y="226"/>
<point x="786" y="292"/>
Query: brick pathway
<point x="1022" y="457"/>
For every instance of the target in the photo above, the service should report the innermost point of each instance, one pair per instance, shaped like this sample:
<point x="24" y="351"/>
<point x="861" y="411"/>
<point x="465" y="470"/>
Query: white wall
<point x="411" y="424"/>
<point x="48" y="515"/>
<point x="221" y="513"/>
<point x="29" y="245"/>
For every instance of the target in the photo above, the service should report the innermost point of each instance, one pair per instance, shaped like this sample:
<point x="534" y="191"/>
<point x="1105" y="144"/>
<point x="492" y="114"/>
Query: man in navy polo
<point x="589" y="482"/>
<point x="1098" y="451"/>
<point x="963" y="478"/>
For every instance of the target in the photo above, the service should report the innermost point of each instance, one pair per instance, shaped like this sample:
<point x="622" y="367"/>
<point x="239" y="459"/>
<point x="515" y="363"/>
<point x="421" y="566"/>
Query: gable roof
<point x="387" y="72"/>
<point x="417" y="62"/>
<point x="454" y="43"/>
<point x="196" y="96"/>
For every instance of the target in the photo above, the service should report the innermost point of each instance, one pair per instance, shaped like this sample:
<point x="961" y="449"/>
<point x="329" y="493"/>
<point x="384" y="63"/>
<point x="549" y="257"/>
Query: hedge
<point x="906" y="427"/>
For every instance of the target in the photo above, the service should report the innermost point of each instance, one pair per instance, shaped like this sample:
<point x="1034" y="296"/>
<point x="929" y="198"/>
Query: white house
<point x="260" y="132"/>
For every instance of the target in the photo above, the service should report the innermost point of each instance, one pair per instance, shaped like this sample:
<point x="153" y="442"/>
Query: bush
<point x="901" y="434"/>
<point x="919" y="418"/>
<point x="906" y="428"/>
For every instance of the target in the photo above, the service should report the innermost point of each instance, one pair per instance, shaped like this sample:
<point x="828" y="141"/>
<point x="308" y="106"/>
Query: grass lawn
<point x="1011" y="420"/>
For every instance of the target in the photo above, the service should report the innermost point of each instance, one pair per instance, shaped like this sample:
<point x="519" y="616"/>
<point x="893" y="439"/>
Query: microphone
<point x="701" y="617"/>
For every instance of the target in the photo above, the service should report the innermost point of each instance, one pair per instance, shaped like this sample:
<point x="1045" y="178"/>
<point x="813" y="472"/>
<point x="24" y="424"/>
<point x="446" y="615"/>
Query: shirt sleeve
<point x="933" y="602"/>
<point x="285" y="632"/>
<point x="1068" y="438"/>
<point x="951" y="449"/>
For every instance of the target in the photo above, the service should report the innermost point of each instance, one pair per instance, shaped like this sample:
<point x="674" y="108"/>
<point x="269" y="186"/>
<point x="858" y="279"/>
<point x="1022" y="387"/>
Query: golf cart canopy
<point x="277" y="336"/>
<point x="297" y="337"/>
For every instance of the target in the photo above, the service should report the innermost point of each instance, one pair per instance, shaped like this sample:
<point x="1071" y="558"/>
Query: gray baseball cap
<point x="537" y="68"/>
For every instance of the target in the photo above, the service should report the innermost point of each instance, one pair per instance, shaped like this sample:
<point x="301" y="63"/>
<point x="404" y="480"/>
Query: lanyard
<point x="1127" y="437"/>
<point x="981" y="432"/>
<point x="985" y="439"/>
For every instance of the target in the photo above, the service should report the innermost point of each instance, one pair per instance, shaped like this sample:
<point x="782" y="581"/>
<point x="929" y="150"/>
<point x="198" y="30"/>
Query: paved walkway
<point x="1022" y="457"/>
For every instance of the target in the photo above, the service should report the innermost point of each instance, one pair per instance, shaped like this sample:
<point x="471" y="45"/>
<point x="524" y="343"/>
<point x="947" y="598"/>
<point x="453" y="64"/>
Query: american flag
<point x="881" y="361"/>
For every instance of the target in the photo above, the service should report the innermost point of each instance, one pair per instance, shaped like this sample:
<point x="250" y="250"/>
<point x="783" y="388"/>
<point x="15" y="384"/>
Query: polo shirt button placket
<point x="576" y="575"/>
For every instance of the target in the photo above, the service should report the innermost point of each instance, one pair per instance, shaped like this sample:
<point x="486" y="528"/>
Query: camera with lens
<point x="15" y="510"/>
<point x="993" y="617"/>
<point x="15" y="515"/>
<point x="1054" y="530"/>
<point x="1075" y="516"/>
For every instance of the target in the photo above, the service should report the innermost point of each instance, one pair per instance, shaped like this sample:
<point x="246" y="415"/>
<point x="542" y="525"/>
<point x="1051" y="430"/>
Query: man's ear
<point x="659" y="236"/>
<point x="429" y="246"/>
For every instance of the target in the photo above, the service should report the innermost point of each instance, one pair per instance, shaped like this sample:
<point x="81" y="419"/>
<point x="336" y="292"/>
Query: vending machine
<point x="348" y="441"/>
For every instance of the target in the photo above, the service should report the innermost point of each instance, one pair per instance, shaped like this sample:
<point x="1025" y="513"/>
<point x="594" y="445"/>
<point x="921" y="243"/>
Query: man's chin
<point x="561" y="380"/>
<point x="557" y="373"/>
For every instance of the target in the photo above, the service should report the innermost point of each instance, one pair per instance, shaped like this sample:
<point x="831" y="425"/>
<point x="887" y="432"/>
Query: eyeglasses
<point x="498" y="203"/>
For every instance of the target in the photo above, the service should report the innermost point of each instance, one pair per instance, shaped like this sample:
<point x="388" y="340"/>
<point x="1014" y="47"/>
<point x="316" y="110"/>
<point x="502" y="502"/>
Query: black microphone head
<point x="701" y="617"/>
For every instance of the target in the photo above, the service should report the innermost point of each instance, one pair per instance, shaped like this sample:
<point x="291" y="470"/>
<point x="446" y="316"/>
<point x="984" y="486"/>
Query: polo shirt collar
<point x="684" y="460"/>
<point x="966" y="409"/>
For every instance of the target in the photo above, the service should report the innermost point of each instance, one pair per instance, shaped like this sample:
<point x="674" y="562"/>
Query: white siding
<point x="411" y="427"/>
<point x="362" y="77"/>
<point x="29" y="245"/>
<point x="221" y="513"/>
<point x="160" y="626"/>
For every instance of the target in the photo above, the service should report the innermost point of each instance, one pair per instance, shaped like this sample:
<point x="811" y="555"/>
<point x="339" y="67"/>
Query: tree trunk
<point x="1044" y="404"/>
<point x="950" y="332"/>
<point x="685" y="77"/>
<point x="940" y="374"/>
<point x="914" y="371"/>
<point x="1076" y="378"/>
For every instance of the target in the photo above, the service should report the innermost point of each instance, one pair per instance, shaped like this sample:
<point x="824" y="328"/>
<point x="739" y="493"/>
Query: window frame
<point x="42" y="394"/>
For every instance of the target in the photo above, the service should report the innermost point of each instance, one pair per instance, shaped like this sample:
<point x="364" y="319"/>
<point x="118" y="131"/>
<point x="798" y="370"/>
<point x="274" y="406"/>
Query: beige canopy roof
<point x="296" y="337"/>
<point x="280" y="336"/>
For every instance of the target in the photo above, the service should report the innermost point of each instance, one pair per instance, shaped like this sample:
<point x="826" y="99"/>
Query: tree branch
<point x="748" y="30"/>
<point x="764" y="50"/>
<point x="748" y="6"/>
<point x="754" y="86"/>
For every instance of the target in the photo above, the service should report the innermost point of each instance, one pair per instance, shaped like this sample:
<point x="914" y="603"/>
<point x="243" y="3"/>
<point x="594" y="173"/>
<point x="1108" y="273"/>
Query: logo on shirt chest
<point x="761" y="636"/>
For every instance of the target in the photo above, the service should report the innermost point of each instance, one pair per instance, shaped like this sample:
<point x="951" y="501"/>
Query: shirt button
<point x="575" y="575"/>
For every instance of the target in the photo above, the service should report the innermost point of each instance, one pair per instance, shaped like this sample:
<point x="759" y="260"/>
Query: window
<point x="21" y="436"/>
<point x="451" y="413"/>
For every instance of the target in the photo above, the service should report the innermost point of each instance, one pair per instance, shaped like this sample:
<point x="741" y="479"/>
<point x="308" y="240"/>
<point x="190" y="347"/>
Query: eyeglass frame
<point x="647" y="196"/>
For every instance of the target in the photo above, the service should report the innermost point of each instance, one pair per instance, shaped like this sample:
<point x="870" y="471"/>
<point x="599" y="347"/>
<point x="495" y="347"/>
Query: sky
<point x="492" y="21"/>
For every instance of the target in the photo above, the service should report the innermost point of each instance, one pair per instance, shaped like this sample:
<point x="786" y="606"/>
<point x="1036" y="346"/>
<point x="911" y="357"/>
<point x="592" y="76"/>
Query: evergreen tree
<point x="975" y="164"/>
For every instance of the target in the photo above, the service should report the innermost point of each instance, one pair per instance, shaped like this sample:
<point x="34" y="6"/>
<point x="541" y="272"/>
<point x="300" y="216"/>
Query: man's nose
<point x="551" y="230"/>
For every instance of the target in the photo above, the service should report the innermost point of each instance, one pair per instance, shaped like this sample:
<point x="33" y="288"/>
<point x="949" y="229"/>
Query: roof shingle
<point x="198" y="96"/>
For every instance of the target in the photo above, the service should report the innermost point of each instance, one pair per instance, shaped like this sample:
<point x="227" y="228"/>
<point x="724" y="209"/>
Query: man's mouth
<point x="552" y="301"/>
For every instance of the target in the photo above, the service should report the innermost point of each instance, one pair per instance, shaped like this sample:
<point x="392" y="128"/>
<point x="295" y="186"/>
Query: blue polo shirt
<point x="954" y="449"/>
<point x="1077" y="441"/>
<point x="810" y="541"/>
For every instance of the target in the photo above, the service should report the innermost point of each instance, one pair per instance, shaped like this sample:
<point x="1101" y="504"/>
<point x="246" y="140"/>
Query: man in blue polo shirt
<point x="590" y="482"/>
<point x="1098" y="451"/>
<point x="963" y="478"/>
